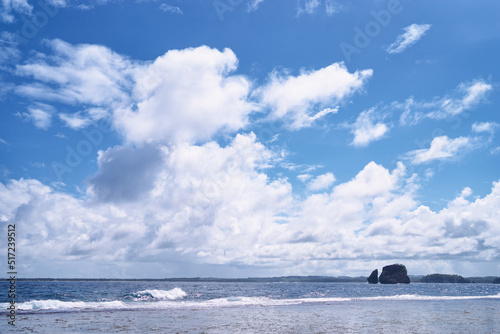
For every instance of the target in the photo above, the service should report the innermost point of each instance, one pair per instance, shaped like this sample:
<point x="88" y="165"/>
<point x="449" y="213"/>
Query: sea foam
<point x="173" y="294"/>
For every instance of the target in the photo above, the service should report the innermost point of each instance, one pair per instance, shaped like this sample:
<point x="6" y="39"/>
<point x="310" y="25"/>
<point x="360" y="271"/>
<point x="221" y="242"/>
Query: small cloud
<point x="171" y="9"/>
<point x="309" y="7"/>
<point x="75" y="121"/>
<point x="37" y="164"/>
<point x="488" y="127"/>
<point x="304" y="177"/>
<point x="466" y="192"/>
<point x="61" y="135"/>
<point x="301" y="100"/>
<point x="429" y="173"/>
<point x="321" y="182"/>
<point x="85" y="7"/>
<point x="333" y="7"/>
<point x="411" y="35"/>
<point x="40" y="114"/>
<point x="254" y="5"/>
<point x="3" y="141"/>
<point x="441" y="148"/>
<point x="367" y="128"/>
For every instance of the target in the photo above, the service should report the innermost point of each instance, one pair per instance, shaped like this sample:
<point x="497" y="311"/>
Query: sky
<point x="240" y="138"/>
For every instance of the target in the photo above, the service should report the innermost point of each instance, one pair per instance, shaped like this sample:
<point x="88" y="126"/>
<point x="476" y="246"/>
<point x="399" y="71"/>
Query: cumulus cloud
<point x="320" y="182"/>
<point x="125" y="173"/>
<point x="302" y="99"/>
<point x="441" y="148"/>
<point x="411" y="35"/>
<point x="187" y="95"/>
<point x="368" y="127"/>
<point x="228" y="212"/>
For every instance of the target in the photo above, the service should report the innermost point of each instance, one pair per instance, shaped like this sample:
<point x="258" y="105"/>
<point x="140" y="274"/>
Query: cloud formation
<point x="184" y="95"/>
<point x="412" y="34"/>
<point x="321" y="182"/>
<point x="9" y="8"/>
<point x="227" y="212"/>
<point x="368" y="127"/>
<point x="441" y="148"/>
<point x="466" y="96"/>
<point x="300" y="100"/>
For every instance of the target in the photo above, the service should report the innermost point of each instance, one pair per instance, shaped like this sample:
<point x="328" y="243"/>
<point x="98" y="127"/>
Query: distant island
<point x="443" y="278"/>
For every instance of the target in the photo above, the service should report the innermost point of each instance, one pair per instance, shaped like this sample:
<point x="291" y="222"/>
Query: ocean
<point x="215" y="307"/>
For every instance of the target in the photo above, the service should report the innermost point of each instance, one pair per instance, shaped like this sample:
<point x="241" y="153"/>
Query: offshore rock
<point x="394" y="274"/>
<point x="373" y="278"/>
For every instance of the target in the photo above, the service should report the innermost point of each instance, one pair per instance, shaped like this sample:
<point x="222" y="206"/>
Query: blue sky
<point x="249" y="138"/>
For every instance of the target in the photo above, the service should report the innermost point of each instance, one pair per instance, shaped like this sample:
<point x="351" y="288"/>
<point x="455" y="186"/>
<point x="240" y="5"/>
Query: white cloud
<point x="467" y="96"/>
<point x="40" y="114"/>
<point x="9" y="48"/>
<point x="74" y="121"/>
<point x="321" y="182"/>
<point x="441" y="148"/>
<point x="300" y="100"/>
<point x="82" y="119"/>
<point x="333" y="7"/>
<point x="411" y="35"/>
<point x="2" y="141"/>
<point x="88" y="74"/>
<point x="254" y="5"/>
<point x="8" y="8"/>
<point x="187" y="95"/>
<point x="367" y="128"/>
<point x="170" y="9"/>
<point x="488" y="127"/>
<point x="304" y="177"/>
<point x="184" y="95"/>
<point x="227" y="212"/>
<point x="309" y="7"/>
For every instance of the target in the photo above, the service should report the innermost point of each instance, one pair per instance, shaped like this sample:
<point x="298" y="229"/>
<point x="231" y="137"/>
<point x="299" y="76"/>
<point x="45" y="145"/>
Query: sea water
<point x="216" y="307"/>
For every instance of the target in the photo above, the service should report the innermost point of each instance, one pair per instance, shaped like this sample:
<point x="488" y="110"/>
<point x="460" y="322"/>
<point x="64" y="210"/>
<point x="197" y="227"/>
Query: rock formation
<point x="393" y="274"/>
<point x="373" y="278"/>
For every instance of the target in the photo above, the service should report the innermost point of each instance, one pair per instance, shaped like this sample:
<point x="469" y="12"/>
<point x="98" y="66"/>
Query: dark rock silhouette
<point x="496" y="280"/>
<point x="373" y="278"/>
<point x="393" y="274"/>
